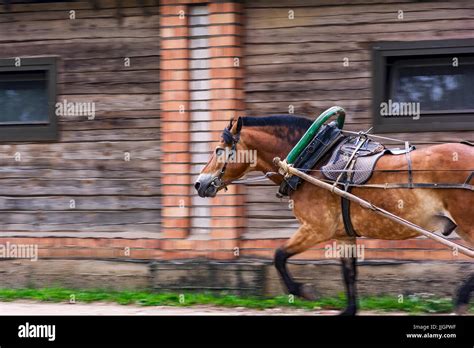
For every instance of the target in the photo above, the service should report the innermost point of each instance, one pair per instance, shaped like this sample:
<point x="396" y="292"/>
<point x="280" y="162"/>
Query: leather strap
<point x="420" y="185"/>
<point x="346" y="215"/>
<point x="410" y="174"/>
<point x="469" y="178"/>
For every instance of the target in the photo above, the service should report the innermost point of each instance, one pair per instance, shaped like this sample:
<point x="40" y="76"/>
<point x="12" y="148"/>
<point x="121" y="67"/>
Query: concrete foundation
<point x="252" y="277"/>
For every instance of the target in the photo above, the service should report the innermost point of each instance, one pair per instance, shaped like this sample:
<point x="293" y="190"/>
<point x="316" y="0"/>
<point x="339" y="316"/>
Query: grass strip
<point x="410" y="304"/>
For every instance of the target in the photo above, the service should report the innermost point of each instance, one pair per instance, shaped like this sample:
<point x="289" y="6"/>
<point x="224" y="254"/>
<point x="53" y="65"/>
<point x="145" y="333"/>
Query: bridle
<point x="234" y="139"/>
<point x="228" y="137"/>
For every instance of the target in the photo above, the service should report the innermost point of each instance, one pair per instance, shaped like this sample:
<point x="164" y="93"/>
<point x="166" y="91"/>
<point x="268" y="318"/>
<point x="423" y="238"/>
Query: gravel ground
<point x="44" y="308"/>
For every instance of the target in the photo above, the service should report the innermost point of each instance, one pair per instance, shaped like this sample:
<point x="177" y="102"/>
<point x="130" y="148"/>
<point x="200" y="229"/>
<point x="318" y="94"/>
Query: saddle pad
<point x="362" y="170"/>
<point x="369" y="148"/>
<point x="365" y="160"/>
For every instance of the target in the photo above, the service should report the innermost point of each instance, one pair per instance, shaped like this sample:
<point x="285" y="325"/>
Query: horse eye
<point x="219" y="151"/>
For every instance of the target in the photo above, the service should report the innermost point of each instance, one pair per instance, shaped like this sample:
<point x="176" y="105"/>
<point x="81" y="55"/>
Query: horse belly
<point x="419" y="206"/>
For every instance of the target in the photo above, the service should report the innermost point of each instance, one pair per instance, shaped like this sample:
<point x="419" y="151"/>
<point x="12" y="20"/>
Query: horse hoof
<point x="307" y="292"/>
<point x="349" y="311"/>
<point x="461" y="309"/>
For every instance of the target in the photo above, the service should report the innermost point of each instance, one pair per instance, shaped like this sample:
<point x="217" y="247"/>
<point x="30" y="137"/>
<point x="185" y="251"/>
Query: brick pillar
<point x="174" y="96"/>
<point x="227" y="100"/>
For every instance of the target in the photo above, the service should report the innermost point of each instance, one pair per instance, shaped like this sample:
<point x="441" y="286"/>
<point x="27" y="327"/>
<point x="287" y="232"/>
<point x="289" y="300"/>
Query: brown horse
<point x="319" y="211"/>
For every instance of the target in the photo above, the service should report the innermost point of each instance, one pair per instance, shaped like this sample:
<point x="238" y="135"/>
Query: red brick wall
<point x="166" y="249"/>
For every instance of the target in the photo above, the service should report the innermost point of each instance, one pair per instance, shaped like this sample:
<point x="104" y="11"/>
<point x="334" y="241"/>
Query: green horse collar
<point x="314" y="128"/>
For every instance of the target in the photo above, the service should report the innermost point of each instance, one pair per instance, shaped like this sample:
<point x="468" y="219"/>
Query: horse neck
<point x="269" y="143"/>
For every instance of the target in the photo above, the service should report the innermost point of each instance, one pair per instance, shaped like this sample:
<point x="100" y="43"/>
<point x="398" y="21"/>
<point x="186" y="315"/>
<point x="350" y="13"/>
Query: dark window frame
<point x="33" y="132"/>
<point x="428" y="122"/>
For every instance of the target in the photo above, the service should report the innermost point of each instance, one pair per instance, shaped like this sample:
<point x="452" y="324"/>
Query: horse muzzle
<point x="206" y="185"/>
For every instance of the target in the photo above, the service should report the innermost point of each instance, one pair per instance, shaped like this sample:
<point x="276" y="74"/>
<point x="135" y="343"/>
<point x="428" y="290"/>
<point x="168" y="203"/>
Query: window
<point x="27" y="99"/>
<point x="423" y="86"/>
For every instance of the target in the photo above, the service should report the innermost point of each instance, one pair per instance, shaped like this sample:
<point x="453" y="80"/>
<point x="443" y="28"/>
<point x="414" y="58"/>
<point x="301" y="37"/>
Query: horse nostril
<point x="197" y="185"/>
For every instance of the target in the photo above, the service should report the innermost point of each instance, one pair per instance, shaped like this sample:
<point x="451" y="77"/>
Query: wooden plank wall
<point x="299" y="62"/>
<point x="113" y="197"/>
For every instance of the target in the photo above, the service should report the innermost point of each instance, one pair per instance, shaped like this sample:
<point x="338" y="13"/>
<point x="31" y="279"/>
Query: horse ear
<point x="231" y="122"/>
<point x="239" y="125"/>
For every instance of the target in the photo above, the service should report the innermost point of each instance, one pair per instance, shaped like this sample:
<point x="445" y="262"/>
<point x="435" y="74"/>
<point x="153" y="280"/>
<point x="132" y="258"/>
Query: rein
<point x="254" y="179"/>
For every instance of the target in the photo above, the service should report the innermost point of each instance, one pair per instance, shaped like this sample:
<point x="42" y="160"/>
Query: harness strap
<point x="346" y="215"/>
<point x="420" y="185"/>
<point x="347" y="170"/>
<point x="410" y="174"/>
<point x="469" y="178"/>
<point x="345" y="203"/>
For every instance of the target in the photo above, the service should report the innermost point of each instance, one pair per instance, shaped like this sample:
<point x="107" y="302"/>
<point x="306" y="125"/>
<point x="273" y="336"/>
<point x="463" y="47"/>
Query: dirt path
<point x="43" y="308"/>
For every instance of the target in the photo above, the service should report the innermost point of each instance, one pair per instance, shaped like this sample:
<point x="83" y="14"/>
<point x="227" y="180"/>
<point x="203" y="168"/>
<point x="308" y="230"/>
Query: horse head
<point x="226" y="162"/>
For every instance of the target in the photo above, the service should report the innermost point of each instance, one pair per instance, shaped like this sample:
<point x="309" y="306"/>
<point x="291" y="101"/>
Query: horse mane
<point x="286" y="120"/>
<point x="295" y="124"/>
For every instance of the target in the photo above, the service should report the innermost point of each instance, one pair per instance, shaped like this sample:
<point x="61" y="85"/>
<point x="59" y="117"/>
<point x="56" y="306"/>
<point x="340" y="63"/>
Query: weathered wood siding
<point x="299" y="63"/>
<point x="113" y="197"/>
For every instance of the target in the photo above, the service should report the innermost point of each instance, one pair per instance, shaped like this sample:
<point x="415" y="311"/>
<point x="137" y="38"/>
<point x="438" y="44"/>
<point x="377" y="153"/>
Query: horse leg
<point x="349" y="272"/>
<point x="461" y="212"/>
<point x="464" y="295"/>
<point x="302" y="240"/>
<point x="294" y="288"/>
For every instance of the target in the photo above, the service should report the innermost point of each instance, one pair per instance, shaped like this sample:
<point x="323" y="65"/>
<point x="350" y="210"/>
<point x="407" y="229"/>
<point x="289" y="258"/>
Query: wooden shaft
<point x="367" y="205"/>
